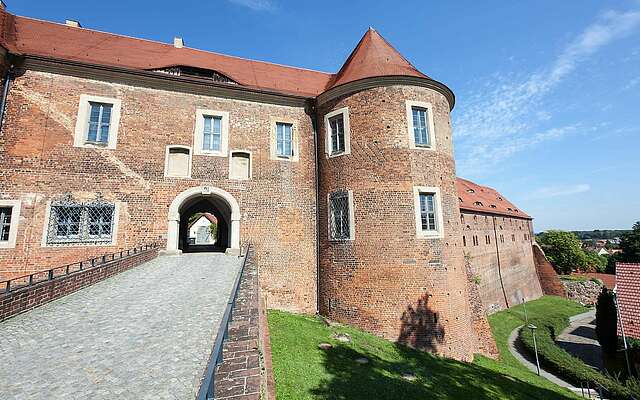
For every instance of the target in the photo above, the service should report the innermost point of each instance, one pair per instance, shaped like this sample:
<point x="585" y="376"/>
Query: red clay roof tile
<point x="474" y="197"/>
<point x="628" y="295"/>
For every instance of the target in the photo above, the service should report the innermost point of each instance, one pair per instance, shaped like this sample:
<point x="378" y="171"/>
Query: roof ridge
<point x="43" y="21"/>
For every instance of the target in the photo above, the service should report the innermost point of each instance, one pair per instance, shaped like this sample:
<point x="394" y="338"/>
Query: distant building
<point x="603" y="252"/>
<point x="200" y="229"/>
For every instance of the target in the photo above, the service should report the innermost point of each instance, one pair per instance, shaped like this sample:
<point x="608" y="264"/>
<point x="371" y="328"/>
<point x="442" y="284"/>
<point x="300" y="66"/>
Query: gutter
<point x="5" y="93"/>
<point x="314" y="124"/>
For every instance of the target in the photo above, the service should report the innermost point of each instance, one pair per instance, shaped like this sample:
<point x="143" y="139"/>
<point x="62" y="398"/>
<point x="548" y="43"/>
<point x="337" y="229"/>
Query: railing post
<point x="93" y="262"/>
<point x="120" y="253"/>
<point x="8" y="289"/>
<point x="50" y="274"/>
<point x="104" y="258"/>
<point x="67" y="270"/>
<point x="30" y="279"/>
<point x="80" y="265"/>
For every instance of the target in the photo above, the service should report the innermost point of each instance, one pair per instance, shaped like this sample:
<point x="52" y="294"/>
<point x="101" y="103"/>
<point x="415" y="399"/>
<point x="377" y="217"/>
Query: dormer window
<point x="493" y="206"/>
<point x="196" y="72"/>
<point x="477" y="203"/>
<point x="470" y="191"/>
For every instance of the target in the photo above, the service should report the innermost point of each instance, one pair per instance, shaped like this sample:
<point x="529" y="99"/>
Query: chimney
<point x="73" y="23"/>
<point x="178" y="43"/>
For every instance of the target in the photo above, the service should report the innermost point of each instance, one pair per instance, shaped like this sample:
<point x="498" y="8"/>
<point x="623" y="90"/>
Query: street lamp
<point x="624" y="338"/>
<point x="535" y="345"/>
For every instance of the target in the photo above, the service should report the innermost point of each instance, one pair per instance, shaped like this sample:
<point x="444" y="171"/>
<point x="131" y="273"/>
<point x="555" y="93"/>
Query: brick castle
<point x="344" y="182"/>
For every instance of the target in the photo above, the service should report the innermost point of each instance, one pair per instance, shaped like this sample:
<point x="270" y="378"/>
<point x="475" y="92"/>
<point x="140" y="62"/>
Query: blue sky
<point x="548" y="92"/>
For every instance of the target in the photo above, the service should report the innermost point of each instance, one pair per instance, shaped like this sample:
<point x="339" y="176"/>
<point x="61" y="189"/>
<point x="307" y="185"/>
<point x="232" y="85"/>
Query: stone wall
<point x="584" y="292"/>
<point x="39" y="163"/>
<point x="387" y="280"/>
<point x="501" y="259"/>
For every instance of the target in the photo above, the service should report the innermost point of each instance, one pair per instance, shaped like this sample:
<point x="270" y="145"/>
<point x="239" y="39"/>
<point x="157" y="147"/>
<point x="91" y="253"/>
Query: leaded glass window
<point x="99" y="121"/>
<point x="5" y="223"/>
<point x="72" y="222"/>
<point x="340" y="224"/>
<point x="336" y="124"/>
<point x="420" y="126"/>
<point x="212" y="133"/>
<point x="428" y="212"/>
<point x="284" y="140"/>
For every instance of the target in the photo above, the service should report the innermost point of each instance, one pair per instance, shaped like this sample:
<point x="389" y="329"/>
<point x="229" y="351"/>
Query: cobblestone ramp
<point x="146" y="333"/>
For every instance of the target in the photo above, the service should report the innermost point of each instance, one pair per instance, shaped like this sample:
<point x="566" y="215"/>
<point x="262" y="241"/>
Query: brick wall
<point x="38" y="163"/>
<point x="547" y="276"/>
<point x="502" y="260"/>
<point x="388" y="281"/>
<point x="27" y="298"/>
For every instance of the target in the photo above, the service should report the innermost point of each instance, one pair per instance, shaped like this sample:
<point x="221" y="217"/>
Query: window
<point x="97" y="122"/>
<point x="487" y="239"/>
<point x="5" y="223"/>
<point x="341" y="216"/>
<point x="420" y="124"/>
<point x="9" y="218"/>
<point x="501" y="238"/>
<point x="428" y="212"/>
<point x="337" y="133"/>
<point x="74" y="222"/>
<point x="240" y="165"/>
<point x="178" y="162"/>
<point x="211" y="134"/>
<point x="464" y="241"/>
<point x="284" y="139"/>
<point x="475" y="240"/>
<point x="513" y="238"/>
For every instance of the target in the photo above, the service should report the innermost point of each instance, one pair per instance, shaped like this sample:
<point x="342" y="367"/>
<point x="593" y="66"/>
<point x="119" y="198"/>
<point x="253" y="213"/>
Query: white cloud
<point x="558" y="191"/>
<point x="632" y="83"/>
<point x="502" y="118"/>
<point x="256" y="5"/>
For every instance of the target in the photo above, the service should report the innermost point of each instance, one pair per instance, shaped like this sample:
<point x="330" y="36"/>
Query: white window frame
<point x="430" y="123"/>
<point x="82" y="122"/>
<point x="198" y="138"/>
<point x="420" y="233"/>
<point x="15" y="205"/>
<point x="166" y="161"/>
<point x="352" y="225"/>
<point x="250" y="164"/>
<point x="347" y="132"/>
<point x="114" y="232"/>
<point x="295" y="142"/>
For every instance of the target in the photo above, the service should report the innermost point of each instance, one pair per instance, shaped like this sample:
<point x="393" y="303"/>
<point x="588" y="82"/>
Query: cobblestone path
<point x="146" y="333"/>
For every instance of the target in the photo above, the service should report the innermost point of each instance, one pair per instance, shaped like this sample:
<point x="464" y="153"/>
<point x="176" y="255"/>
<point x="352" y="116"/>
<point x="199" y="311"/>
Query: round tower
<point x="391" y="259"/>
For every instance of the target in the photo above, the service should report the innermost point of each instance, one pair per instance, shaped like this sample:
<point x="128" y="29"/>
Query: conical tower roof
<point x="373" y="57"/>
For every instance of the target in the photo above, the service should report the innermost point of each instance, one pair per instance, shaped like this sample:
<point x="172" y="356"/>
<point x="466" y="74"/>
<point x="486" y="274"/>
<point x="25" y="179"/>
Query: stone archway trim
<point x="174" y="215"/>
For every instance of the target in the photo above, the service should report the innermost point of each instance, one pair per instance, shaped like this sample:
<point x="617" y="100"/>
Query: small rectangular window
<point x="99" y="121"/>
<point x="336" y="125"/>
<point x="212" y="133"/>
<point x="420" y="126"/>
<point x="100" y="220"/>
<point x="284" y="140"/>
<point x="339" y="213"/>
<point x="5" y="223"/>
<point x="428" y="212"/>
<point x="464" y="241"/>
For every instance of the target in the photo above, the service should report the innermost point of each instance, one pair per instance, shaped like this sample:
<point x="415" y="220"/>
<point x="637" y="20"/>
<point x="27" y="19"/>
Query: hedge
<point x="573" y="369"/>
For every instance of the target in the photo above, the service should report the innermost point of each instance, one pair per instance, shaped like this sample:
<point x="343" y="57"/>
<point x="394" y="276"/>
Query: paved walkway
<point x="146" y="333"/>
<point x="580" y="340"/>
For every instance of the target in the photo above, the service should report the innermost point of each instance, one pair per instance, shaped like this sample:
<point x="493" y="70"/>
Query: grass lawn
<point x="303" y="371"/>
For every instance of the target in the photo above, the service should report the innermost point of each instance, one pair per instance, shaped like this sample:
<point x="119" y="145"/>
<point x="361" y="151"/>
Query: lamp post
<point x="535" y="345"/>
<point x="624" y="338"/>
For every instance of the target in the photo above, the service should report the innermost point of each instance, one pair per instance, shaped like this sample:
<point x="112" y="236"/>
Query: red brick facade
<point x="386" y="279"/>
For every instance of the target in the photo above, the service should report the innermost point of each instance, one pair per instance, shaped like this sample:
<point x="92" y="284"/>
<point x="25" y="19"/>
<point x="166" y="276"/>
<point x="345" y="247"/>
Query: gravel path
<point x="146" y="333"/>
<point x="580" y="339"/>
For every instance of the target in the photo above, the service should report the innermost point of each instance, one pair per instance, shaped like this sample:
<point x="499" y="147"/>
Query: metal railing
<point x="11" y="285"/>
<point x="207" y="386"/>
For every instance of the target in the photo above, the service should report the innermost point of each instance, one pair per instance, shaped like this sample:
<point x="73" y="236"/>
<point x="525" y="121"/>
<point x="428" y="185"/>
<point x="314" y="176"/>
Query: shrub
<point x="607" y="322"/>
<point x="564" y="364"/>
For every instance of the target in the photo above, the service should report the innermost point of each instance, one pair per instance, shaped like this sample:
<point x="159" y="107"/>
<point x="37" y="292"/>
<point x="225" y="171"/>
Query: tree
<point x="607" y="322"/>
<point x="564" y="250"/>
<point x="595" y="262"/>
<point x="630" y="245"/>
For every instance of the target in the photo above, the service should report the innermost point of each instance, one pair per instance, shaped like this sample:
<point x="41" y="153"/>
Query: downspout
<point x="314" y="124"/>
<point x="495" y="235"/>
<point x="5" y="93"/>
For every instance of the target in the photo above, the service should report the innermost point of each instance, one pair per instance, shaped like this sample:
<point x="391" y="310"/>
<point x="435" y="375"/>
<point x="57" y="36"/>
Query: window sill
<point x="430" y="235"/>
<point x="342" y="153"/>
<point x="419" y="147"/>
<point x="209" y="153"/>
<point x="341" y="240"/>
<point x="177" y="177"/>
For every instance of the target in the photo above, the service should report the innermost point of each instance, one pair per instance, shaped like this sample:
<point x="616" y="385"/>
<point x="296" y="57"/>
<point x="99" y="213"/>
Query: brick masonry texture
<point x="547" y="276"/>
<point x="501" y="259"/>
<point x="387" y="280"/>
<point x="240" y="376"/>
<point x="27" y="298"/>
<point x="38" y="163"/>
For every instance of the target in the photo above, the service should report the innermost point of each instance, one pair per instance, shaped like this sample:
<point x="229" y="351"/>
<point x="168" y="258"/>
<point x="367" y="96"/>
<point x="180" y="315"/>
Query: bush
<point x="607" y="322"/>
<point x="564" y="364"/>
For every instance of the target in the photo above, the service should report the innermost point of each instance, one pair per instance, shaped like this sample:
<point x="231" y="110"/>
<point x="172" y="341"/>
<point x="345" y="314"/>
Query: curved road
<point x="146" y="333"/>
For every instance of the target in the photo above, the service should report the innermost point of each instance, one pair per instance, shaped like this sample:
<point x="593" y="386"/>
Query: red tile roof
<point x="628" y="295"/>
<point x="474" y="197"/>
<point x="372" y="57"/>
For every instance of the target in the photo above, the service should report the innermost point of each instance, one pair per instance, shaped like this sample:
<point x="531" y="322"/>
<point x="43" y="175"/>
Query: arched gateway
<point x="192" y="199"/>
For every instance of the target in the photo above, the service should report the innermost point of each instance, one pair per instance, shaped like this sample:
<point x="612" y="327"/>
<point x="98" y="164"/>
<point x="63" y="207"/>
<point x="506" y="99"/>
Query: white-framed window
<point x="211" y="133"/>
<point x="73" y="222"/>
<point x="240" y="167"/>
<point x="284" y="140"/>
<point x="177" y="162"/>
<point x="338" y="133"/>
<point x="341" y="215"/>
<point x="428" y="212"/>
<point x="97" y="122"/>
<point x="9" y="219"/>
<point x="421" y="127"/>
